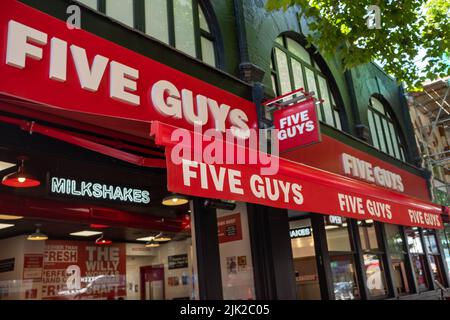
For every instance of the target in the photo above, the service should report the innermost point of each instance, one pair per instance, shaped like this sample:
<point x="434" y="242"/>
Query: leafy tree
<point x="412" y="43"/>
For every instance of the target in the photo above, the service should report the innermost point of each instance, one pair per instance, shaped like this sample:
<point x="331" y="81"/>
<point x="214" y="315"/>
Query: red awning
<point x="296" y="186"/>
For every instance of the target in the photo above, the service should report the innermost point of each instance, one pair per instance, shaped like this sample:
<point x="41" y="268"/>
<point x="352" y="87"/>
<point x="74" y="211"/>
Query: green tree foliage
<point x="412" y="43"/>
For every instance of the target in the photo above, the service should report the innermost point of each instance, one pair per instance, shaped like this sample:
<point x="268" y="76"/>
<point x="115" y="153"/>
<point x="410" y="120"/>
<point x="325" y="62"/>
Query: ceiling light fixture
<point x="37" y="235"/>
<point x="175" y="199"/>
<point x="161" y="238"/>
<point x="5" y="225"/>
<point x="86" y="233"/>
<point x="10" y="217"/>
<point x="151" y="244"/>
<point x="21" y="178"/>
<point x="101" y="241"/>
<point x="5" y="165"/>
<point x="331" y="227"/>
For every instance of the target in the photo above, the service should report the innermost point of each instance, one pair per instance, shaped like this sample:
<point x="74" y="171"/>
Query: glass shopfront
<point x="85" y="233"/>
<point x="398" y="253"/>
<point x="418" y="258"/>
<point x="373" y="256"/>
<point x="304" y="255"/>
<point x="342" y="258"/>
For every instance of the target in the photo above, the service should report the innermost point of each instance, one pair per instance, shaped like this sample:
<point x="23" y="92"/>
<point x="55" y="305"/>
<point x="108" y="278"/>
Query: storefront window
<point x="397" y="250"/>
<point x="373" y="259"/>
<point x="93" y="261"/>
<point x="303" y="252"/>
<point x="434" y="255"/>
<point x="336" y="229"/>
<point x="415" y="248"/>
<point x="344" y="277"/>
<point x="444" y="236"/>
<point x="342" y="258"/>
<point x="235" y="253"/>
<point x="182" y="24"/>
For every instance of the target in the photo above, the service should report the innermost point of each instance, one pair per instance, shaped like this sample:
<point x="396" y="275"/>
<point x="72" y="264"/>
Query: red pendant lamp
<point x="101" y="241"/>
<point x="21" y="178"/>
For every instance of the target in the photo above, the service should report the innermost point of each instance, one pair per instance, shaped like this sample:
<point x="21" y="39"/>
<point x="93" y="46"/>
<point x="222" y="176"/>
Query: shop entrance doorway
<point x="304" y="257"/>
<point x="152" y="282"/>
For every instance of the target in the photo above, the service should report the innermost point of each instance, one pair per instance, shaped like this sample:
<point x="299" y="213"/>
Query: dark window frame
<point x="386" y="117"/>
<point x="199" y="33"/>
<point x="336" y="110"/>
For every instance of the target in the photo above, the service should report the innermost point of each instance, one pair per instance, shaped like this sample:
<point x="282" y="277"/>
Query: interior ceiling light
<point x="37" y="235"/>
<point x="175" y="199"/>
<point x="101" y="241"/>
<point x="86" y="233"/>
<point x="10" y="217"/>
<point x="146" y="239"/>
<point x="21" y="178"/>
<point x="151" y="244"/>
<point x="331" y="227"/>
<point x="5" y="165"/>
<point x="5" y="225"/>
<point x="161" y="238"/>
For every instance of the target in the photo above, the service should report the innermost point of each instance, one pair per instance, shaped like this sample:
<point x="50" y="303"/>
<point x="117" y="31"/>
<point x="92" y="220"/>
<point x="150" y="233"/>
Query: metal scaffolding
<point x="433" y="103"/>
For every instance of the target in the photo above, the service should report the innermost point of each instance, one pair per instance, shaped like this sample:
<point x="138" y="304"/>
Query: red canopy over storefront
<point x="296" y="186"/>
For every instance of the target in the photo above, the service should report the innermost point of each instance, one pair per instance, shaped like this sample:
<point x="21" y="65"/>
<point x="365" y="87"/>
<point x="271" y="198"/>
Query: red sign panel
<point x="81" y="76"/>
<point x="335" y="156"/>
<point x="229" y="228"/>
<point x="83" y="270"/>
<point x="295" y="186"/>
<point x="297" y="125"/>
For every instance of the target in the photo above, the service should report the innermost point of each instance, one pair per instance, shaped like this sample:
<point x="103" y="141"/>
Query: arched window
<point x="293" y="67"/>
<point x="383" y="130"/>
<point x="179" y="23"/>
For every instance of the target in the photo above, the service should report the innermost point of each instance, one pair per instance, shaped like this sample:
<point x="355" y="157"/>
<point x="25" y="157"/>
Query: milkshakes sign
<point x="95" y="190"/>
<point x="71" y="70"/>
<point x="297" y="125"/>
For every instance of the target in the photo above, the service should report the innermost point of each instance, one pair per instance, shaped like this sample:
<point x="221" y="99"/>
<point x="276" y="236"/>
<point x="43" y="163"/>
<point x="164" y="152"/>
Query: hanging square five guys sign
<point x="297" y="125"/>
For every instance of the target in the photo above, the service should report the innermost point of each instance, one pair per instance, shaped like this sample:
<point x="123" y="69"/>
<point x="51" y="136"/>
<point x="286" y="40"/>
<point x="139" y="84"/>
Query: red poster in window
<point x="230" y="228"/>
<point x="297" y="125"/>
<point x="83" y="270"/>
<point x="32" y="266"/>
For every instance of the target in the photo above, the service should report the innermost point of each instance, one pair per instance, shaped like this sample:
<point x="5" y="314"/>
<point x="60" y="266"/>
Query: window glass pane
<point x="376" y="281"/>
<point x="444" y="236"/>
<point x="208" y="51"/>
<point x="279" y="40"/>
<point x="414" y="241"/>
<point x="71" y="265"/>
<point x="156" y="24"/>
<point x="368" y="235"/>
<point x="283" y="71"/>
<point x="235" y="253"/>
<point x="295" y="48"/>
<point x="298" y="74"/>
<point x="337" y="233"/>
<point x="344" y="278"/>
<point x="304" y="255"/>
<point x="274" y="84"/>
<point x="395" y="239"/>
<point x="395" y="140"/>
<point x="90" y="3"/>
<point x="388" y="137"/>
<point x="418" y="262"/>
<point x="121" y="10"/>
<point x="323" y="86"/>
<point x="430" y="242"/>
<point x="402" y="153"/>
<point x="311" y="81"/>
<point x="377" y="105"/>
<point x="337" y="119"/>
<point x="202" y="19"/>
<point x="184" y="26"/>
<point x="380" y="132"/>
<point x="397" y="251"/>
<point x="373" y="130"/>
